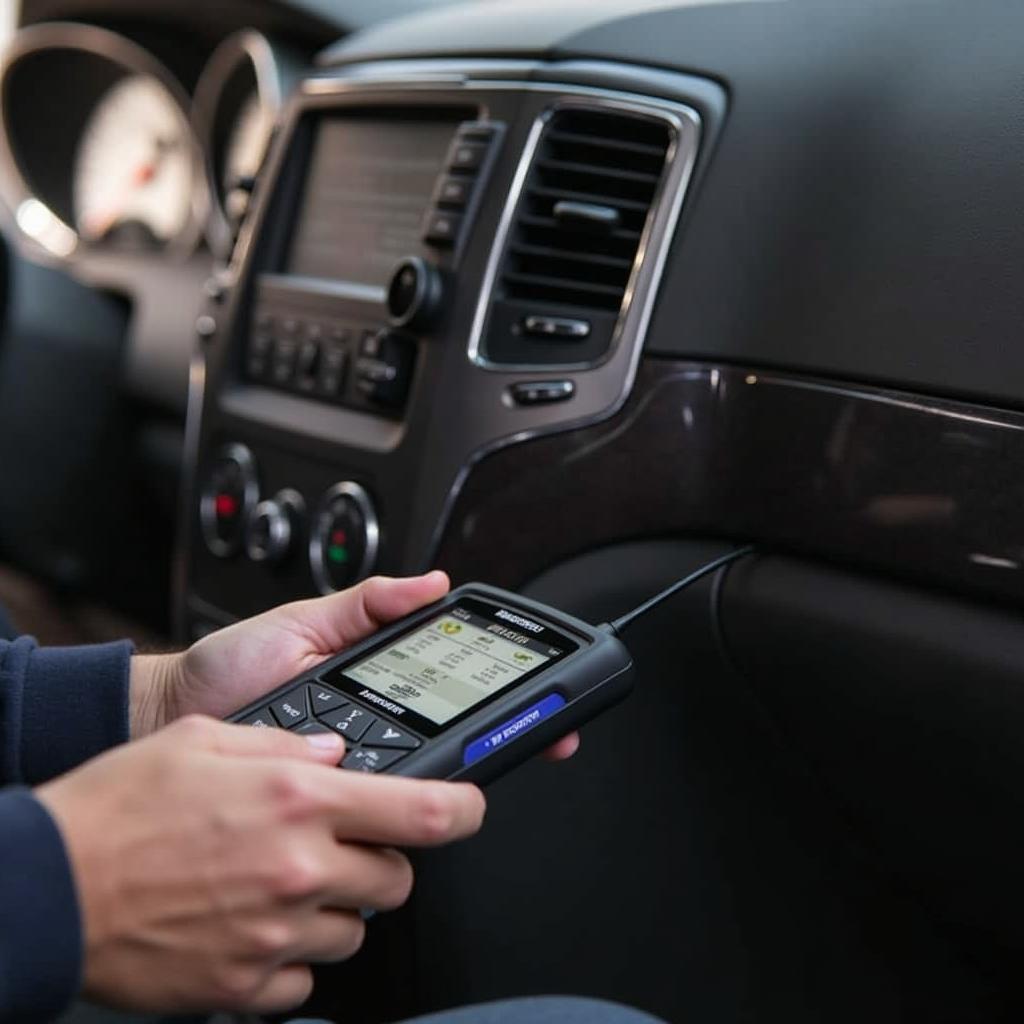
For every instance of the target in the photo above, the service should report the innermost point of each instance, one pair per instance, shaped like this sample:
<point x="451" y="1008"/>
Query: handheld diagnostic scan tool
<point x="466" y="688"/>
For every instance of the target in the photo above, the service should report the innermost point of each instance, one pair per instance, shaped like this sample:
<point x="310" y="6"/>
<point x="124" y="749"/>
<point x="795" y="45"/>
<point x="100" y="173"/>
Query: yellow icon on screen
<point x="450" y="628"/>
<point x="524" y="658"/>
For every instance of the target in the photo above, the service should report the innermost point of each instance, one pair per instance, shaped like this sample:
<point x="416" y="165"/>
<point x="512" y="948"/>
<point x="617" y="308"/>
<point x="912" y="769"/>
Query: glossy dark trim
<point x="924" y="488"/>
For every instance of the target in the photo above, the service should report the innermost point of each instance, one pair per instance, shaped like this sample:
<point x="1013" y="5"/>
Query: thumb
<point x="256" y="741"/>
<point x="338" y="620"/>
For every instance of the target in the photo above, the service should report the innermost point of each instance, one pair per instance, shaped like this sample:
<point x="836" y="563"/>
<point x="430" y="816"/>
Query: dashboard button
<point x="258" y="356"/>
<point x="227" y="498"/>
<point x="466" y="156"/>
<point x="283" y="364"/>
<point x="307" y="365"/>
<point x="371" y="343"/>
<point x="442" y="228"/>
<point x="477" y="131"/>
<point x="331" y="375"/>
<point x="454" y="192"/>
<point x="261" y="342"/>
<point x="344" y="537"/>
<point x="563" y="328"/>
<point x="257" y="366"/>
<point x="542" y="392"/>
<point x="385" y="380"/>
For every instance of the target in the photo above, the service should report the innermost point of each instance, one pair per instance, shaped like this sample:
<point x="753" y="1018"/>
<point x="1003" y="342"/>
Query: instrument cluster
<point x="104" y="150"/>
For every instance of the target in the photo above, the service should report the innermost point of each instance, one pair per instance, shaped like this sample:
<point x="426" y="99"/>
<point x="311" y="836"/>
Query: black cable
<point x="619" y="624"/>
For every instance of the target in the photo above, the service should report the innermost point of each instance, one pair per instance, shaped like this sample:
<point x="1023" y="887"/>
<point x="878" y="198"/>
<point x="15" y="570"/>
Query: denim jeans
<point x="540" y="1010"/>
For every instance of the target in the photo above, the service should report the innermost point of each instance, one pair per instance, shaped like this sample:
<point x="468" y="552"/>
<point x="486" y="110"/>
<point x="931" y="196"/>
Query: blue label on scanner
<point x="513" y="728"/>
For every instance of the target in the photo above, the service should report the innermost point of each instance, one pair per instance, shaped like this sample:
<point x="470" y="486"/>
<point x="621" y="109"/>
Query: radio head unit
<point x="385" y="199"/>
<point x="369" y="184"/>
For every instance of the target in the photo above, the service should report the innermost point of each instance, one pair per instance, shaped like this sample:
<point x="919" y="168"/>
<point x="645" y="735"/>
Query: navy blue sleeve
<point x="41" y="935"/>
<point x="58" y="707"/>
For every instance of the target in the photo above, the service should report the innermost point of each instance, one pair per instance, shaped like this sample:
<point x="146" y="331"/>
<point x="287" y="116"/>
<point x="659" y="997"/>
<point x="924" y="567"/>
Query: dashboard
<point x="565" y="298"/>
<point x="413" y="210"/>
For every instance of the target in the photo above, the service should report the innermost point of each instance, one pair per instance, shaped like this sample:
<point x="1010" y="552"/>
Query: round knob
<point x="272" y="527"/>
<point x="227" y="499"/>
<point x="414" y="294"/>
<point x="343" y="537"/>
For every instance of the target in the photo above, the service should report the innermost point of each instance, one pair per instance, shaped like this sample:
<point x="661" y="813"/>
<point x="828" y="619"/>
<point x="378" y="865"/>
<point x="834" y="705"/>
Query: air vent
<point x="574" y="238"/>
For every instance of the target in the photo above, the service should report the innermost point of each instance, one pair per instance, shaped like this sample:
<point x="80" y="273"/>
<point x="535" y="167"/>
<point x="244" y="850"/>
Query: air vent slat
<point x="589" y="197"/>
<point x="619" y="145"/>
<point x="532" y="220"/>
<point x="616" y="173"/>
<point x="546" y="251"/>
<point x="599" y="158"/>
<point x="583" y="294"/>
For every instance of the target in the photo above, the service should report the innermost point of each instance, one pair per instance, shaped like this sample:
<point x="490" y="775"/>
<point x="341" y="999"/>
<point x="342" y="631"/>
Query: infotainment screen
<point x="368" y="185"/>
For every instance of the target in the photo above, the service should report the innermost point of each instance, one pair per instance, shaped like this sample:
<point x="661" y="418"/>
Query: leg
<point x="538" y="1010"/>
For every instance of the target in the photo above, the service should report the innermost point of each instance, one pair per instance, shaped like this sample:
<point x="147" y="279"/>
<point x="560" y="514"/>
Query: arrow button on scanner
<point x="384" y="734"/>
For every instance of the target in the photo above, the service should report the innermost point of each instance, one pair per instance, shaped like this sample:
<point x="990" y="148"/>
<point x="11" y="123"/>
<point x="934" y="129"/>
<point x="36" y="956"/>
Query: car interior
<point x="569" y="298"/>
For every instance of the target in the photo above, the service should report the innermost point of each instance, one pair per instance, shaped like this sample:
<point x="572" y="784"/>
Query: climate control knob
<point x="343" y="538"/>
<point x="272" y="527"/>
<point x="414" y="293"/>
<point x="227" y="498"/>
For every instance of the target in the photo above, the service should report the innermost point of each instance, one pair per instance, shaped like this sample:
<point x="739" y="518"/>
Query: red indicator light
<point x="226" y="506"/>
<point x="338" y="537"/>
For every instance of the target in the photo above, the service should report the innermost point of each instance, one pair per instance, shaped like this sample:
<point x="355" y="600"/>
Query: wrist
<point x="154" y="688"/>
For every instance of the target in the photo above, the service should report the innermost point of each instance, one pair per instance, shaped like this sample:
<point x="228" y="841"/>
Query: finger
<point x="330" y="937"/>
<point x="250" y="741"/>
<point x="392" y="811"/>
<point x="563" y="749"/>
<point x="287" y="988"/>
<point x="338" y="620"/>
<point x="365" y="878"/>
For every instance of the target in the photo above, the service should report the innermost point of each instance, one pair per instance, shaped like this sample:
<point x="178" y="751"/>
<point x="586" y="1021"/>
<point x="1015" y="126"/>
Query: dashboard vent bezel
<point x="683" y="126"/>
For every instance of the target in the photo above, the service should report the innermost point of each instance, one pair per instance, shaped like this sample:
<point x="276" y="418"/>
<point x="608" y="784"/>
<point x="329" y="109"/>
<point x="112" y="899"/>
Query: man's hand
<point x="214" y="862"/>
<point x="234" y="666"/>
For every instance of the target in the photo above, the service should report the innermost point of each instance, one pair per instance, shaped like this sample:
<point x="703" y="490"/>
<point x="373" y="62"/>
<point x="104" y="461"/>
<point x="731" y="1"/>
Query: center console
<point x="443" y="260"/>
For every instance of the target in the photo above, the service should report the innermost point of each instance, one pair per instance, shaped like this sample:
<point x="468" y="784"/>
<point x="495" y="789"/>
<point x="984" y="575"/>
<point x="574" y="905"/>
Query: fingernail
<point x="324" y="740"/>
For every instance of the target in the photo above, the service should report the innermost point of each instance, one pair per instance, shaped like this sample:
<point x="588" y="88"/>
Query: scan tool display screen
<point x="458" y="660"/>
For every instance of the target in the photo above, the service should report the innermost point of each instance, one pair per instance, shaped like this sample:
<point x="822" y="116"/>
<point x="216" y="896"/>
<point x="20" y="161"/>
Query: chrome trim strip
<point x="245" y="45"/>
<point x="656" y="236"/>
<point x="190" y="468"/>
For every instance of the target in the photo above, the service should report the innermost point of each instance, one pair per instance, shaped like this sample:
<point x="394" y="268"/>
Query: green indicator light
<point x="337" y="554"/>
